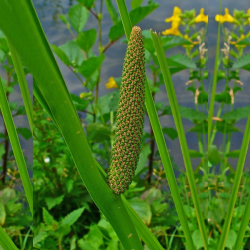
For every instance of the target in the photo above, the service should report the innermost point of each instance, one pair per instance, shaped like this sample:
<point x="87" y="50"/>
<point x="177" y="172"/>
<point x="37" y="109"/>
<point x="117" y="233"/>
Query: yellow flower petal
<point x="177" y="11"/>
<point x="201" y="17"/>
<point x="111" y="83"/>
<point x="226" y="18"/>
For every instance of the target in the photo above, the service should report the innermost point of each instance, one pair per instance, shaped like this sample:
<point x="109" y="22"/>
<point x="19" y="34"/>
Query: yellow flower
<point x="189" y="39"/>
<point x="111" y="83"/>
<point x="174" y="30"/>
<point x="239" y="39"/>
<point x="176" y="20"/>
<point x="226" y="18"/>
<point x="175" y="16"/>
<point x="201" y="17"/>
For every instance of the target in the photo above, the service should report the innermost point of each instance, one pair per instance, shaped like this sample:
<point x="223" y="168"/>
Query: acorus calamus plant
<point x="130" y="116"/>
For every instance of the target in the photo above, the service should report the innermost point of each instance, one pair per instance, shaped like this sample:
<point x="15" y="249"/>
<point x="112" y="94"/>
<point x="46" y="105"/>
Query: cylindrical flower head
<point x="130" y="116"/>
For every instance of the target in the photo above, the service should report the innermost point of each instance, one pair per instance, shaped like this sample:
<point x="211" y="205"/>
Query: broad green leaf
<point x="213" y="155"/>
<point x="84" y="245"/>
<point x="63" y="18"/>
<point x="194" y="153"/>
<point x="78" y="16"/>
<point x="170" y="132"/>
<point x="88" y="67"/>
<point x="239" y="211"/>
<point x="69" y="185"/>
<point x="191" y="114"/>
<point x="237" y="114"/>
<point x="202" y="97"/>
<point x="95" y="237"/>
<point x="113" y="103"/>
<point x="225" y="128"/>
<point x="145" y="152"/>
<point x="243" y="62"/>
<point x="223" y="97"/>
<point x="172" y="41"/>
<point x="86" y="39"/>
<point x="136" y="3"/>
<point x="136" y="16"/>
<point x="25" y="132"/>
<point x="196" y="235"/>
<point x="98" y="132"/>
<point x="2" y="214"/>
<point x="73" y="52"/>
<point x="231" y="238"/>
<point x="87" y="3"/>
<point x="7" y="194"/>
<point x="180" y="60"/>
<point x="47" y="217"/>
<point x="142" y="208"/>
<point x="151" y="195"/>
<point x="112" y="11"/>
<point x="53" y="201"/>
<point x="39" y="237"/>
<point x="59" y="52"/>
<point x="79" y="103"/>
<point x="200" y="127"/>
<point x="233" y="154"/>
<point x="72" y="217"/>
<point x="190" y="212"/>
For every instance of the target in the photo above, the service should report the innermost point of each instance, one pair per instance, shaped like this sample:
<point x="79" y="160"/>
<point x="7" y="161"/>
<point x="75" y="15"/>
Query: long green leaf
<point x="212" y="99"/>
<point x="182" y="138"/>
<point x="19" y="20"/>
<point x="16" y="146"/>
<point x="5" y="241"/>
<point x="154" y="120"/>
<point x="23" y="85"/>
<point x="235" y="188"/>
<point x="243" y="226"/>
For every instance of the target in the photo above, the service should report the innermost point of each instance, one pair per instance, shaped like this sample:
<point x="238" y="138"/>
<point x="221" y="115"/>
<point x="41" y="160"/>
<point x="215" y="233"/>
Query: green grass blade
<point x="166" y="161"/>
<point x="178" y="123"/>
<point x="125" y="17"/>
<point x="23" y="85"/>
<point x="212" y="99"/>
<point x="5" y="241"/>
<point x="16" y="146"/>
<point x="243" y="226"/>
<point x="39" y="96"/>
<point x="19" y="20"/>
<point x="236" y="184"/>
<point x="159" y="138"/>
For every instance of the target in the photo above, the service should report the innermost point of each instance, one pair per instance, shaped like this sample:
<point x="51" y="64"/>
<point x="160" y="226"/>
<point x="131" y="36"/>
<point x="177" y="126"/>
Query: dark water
<point x="56" y="32"/>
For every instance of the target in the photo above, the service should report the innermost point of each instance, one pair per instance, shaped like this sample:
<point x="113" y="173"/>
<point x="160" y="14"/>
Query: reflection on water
<point x="58" y="34"/>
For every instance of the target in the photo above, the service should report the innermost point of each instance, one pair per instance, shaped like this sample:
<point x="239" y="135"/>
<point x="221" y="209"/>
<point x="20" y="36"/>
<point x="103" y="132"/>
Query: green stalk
<point x="16" y="146"/>
<point x="212" y="100"/>
<point x="243" y="226"/>
<point x="5" y="241"/>
<point x="177" y="118"/>
<point x="23" y="85"/>
<point x="235" y="188"/>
